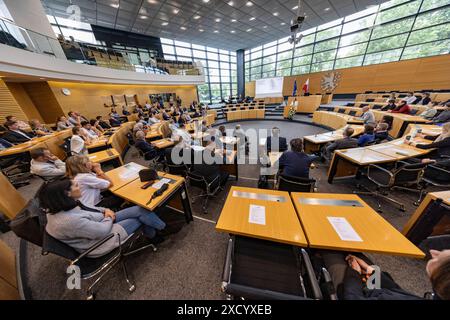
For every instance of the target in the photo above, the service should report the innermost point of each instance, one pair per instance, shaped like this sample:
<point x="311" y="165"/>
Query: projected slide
<point x="270" y="87"/>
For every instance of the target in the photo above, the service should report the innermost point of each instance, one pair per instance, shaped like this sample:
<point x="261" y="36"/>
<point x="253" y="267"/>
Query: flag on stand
<point x="294" y="93"/>
<point x="306" y="86"/>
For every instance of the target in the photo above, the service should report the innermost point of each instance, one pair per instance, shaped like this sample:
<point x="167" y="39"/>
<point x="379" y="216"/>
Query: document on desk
<point x="257" y="215"/>
<point x="131" y="170"/>
<point x="160" y="183"/>
<point x="344" y="229"/>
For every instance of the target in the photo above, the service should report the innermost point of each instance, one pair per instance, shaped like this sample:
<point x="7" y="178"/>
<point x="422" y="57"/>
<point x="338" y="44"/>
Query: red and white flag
<point x="306" y="86"/>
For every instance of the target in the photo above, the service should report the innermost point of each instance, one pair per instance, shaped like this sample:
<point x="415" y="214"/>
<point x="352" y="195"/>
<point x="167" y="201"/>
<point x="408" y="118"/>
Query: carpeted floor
<point x="189" y="264"/>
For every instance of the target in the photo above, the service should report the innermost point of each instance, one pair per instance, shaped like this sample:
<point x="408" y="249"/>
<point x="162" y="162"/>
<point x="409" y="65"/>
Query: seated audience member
<point x="86" y="131"/>
<point x="125" y="111"/>
<point x="140" y="127"/>
<point x="367" y="116"/>
<point x="45" y="164"/>
<point x="367" y="136"/>
<point x="390" y="106"/>
<point x="222" y="131"/>
<point x="38" y="128"/>
<point x="425" y="99"/>
<point x="392" y="97"/>
<point x="295" y="162"/>
<point x="429" y="113"/>
<point x="166" y="131"/>
<point x="80" y="226"/>
<point x="138" y="109"/>
<point x="93" y="182"/>
<point x="5" y="144"/>
<point x="74" y="119"/>
<point x="349" y="274"/>
<point x="114" y="121"/>
<point x="187" y="117"/>
<point x="196" y="114"/>
<point x="152" y="119"/>
<point x="444" y="116"/>
<point x="146" y="148"/>
<point x="239" y="133"/>
<point x="178" y="132"/>
<point x="141" y="119"/>
<point x="165" y="116"/>
<point x="63" y="124"/>
<point x="403" y="107"/>
<point x="182" y="120"/>
<point x="410" y="98"/>
<point x="381" y="131"/>
<point x="389" y="120"/>
<point x="78" y="142"/>
<point x="105" y="125"/>
<point x="440" y="143"/>
<point x="275" y="142"/>
<point x="14" y="134"/>
<point x="346" y="142"/>
<point x="96" y="127"/>
<point x="22" y="125"/>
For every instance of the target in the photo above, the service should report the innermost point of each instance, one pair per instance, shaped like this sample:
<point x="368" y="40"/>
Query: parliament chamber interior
<point x="225" y="150"/>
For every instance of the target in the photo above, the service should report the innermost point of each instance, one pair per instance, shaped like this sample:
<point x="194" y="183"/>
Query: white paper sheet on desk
<point x="344" y="229"/>
<point x="160" y="183"/>
<point x="131" y="170"/>
<point x="257" y="215"/>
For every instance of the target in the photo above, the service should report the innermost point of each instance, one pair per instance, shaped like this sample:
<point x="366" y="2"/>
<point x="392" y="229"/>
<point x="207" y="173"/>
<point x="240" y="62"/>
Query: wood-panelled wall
<point x="8" y="104"/>
<point x="44" y="100"/>
<point x="24" y="101"/>
<point x="89" y="98"/>
<point x="415" y="74"/>
<point x="8" y="278"/>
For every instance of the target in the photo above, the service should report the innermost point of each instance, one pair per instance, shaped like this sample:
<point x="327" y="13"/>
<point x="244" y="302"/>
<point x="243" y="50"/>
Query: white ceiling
<point x="148" y="17"/>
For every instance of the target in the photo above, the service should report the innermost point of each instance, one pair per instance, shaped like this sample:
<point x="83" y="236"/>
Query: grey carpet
<point x="189" y="264"/>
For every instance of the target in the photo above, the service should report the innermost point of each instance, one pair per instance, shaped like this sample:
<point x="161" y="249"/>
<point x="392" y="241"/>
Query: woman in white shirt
<point x="78" y="143"/>
<point x="93" y="183"/>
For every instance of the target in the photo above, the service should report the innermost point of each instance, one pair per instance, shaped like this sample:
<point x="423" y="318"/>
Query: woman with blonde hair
<point x="93" y="182"/>
<point x="165" y="130"/>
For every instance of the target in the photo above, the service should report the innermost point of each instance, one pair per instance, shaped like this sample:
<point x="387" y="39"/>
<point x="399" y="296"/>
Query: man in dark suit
<point x="346" y="142"/>
<point x="275" y="142"/>
<point x="14" y="135"/>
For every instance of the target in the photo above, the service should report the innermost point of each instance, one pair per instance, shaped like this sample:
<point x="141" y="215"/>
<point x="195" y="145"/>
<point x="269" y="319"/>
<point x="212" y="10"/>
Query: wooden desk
<point x="429" y="198"/>
<point x="306" y="104"/>
<point x="98" y="144"/>
<point x="105" y="156"/>
<point x="123" y="175"/>
<point x="313" y="143"/>
<point x="8" y="278"/>
<point x="400" y="123"/>
<point x="377" y="235"/>
<point x="281" y="222"/>
<point x="153" y="134"/>
<point x="334" y="120"/>
<point x="176" y="196"/>
<point x="163" y="143"/>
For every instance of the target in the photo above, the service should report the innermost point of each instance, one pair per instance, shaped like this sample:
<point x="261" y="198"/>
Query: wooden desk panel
<point x="364" y="156"/>
<point x="163" y="143"/>
<point x="8" y="279"/>
<point x="105" y="155"/>
<point x="378" y="235"/>
<point x="132" y="192"/>
<point x="123" y="175"/>
<point x="282" y="224"/>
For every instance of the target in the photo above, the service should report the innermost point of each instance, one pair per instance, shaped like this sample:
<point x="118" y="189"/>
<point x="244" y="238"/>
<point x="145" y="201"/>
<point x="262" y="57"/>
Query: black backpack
<point x="29" y="223"/>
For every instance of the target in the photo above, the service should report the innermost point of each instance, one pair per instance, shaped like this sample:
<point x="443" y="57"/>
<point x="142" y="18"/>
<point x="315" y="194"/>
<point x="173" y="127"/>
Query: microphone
<point x="159" y="192"/>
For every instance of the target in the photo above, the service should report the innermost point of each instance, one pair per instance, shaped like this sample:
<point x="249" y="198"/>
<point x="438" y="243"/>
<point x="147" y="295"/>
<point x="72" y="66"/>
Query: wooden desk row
<point x="323" y="221"/>
<point x="435" y="96"/>
<point x="313" y="143"/>
<point x="346" y="163"/>
<point x="246" y="114"/>
<point x="334" y="120"/>
<point x="244" y="104"/>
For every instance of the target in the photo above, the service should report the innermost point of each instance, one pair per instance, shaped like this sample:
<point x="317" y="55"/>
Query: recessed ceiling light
<point x="264" y="27"/>
<point x="216" y="31"/>
<point x="183" y="28"/>
<point x="248" y="30"/>
<point x="230" y="3"/>
<point x="327" y="9"/>
<point x="115" y="5"/>
<point x="197" y="17"/>
<point x="143" y="17"/>
<point x="201" y="30"/>
<point x="252" y="18"/>
<point x="233" y="20"/>
<point x="175" y="11"/>
<point x="205" y="1"/>
<point x="152" y="1"/>
<point x="218" y="20"/>
<point x="283" y="23"/>
<point x="295" y="8"/>
<point x="232" y="31"/>
<point x="275" y="14"/>
<point x="249" y="4"/>
<point x="164" y="23"/>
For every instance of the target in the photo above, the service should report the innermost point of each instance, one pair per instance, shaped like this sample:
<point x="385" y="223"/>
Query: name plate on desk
<point x="329" y="202"/>
<point x="258" y="196"/>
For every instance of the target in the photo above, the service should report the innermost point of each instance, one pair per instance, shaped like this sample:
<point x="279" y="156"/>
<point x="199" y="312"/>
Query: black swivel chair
<point x="209" y="178"/>
<point x="341" y="110"/>
<point x="260" y="270"/>
<point x="377" y="106"/>
<point x="295" y="184"/>
<point x="435" y="176"/>
<point x="352" y="113"/>
<point x="66" y="147"/>
<point x="403" y="176"/>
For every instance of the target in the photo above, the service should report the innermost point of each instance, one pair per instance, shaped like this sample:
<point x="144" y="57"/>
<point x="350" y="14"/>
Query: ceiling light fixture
<point x="183" y="28"/>
<point x="218" y="20"/>
<point x="230" y="3"/>
<point x="175" y="11"/>
<point x="205" y="1"/>
<point x="275" y="14"/>
<point x="233" y="20"/>
<point x="152" y="1"/>
<point x="143" y="17"/>
<point x="327" y="9"/>
<point x="264" y="27"/>
<point x="248" y="30"/>
<point x="249" y="4"/>
<point x="164" y="23"/>
<point x="232" y="31"/>
<point x="201" y="30"/>
<point x="283" y="23"/>
<point x="196" y="17"/>
<point x="252" y="18"/>
<point x="216" y="31"/>
<point x="115" y="5"/>
<point x="295" y="8"/>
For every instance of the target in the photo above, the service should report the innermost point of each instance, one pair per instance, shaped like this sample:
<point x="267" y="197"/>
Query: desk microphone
<point x="158" y="193"/>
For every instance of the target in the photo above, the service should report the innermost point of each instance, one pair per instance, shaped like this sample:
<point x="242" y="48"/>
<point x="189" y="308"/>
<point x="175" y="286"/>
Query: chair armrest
<point x="383" y="171"/>
<point x="311" y="276"/>
<point x="95" y="246"/>
<point x="438" y="169"/>
<point x="329" y="284"/>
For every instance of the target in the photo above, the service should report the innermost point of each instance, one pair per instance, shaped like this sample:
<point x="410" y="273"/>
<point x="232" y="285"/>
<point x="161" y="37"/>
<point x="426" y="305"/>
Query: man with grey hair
<point x="146" y="148"/>
<point x="367" y="116"/>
